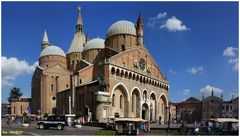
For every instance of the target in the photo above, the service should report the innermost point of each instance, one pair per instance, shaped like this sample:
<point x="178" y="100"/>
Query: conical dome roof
<point x="122" y="27"/>
<point x="52" y="50"/>
<point x="96" y="43"/>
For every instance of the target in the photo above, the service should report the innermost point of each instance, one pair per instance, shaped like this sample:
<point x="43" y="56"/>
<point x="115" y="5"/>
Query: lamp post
<point x="70" y="106"/>
<point x="169" y="117"/>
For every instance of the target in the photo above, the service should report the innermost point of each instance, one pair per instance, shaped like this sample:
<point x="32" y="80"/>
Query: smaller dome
<point x="95" y="43"/>
<point x="52" y="50"/>
<point x="122" y="27"/>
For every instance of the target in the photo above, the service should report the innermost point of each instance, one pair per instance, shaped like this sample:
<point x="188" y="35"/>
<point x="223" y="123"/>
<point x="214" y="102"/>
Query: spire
<point x="202" y="96"/>
<point x="212" y="91"/>
<point x="45" y="37"/>
<point x="140" y="20"/>
<point x="45" y="42"/>
<point x="140" y="30"/>
<point x="222" y="96"/>
<point x="79" y="25"/>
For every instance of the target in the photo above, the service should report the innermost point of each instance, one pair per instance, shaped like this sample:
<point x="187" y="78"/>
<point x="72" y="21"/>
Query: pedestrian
<point x="69" y="122"/>
<point x="8" y="120"/>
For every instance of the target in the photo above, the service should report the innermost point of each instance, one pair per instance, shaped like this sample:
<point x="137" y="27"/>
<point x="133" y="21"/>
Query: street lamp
<point x="169" y="117"/>
<point x="70" y="106"/>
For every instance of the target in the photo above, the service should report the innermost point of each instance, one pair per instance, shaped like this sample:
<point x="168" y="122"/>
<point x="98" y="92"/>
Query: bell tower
<point x="45" y="42"/>
<point x="140" y="30"/>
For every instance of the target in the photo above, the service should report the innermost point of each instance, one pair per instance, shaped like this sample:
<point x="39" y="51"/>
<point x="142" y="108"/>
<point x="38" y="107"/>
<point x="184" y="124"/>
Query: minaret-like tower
<point x="79" y="26"/>
<point x="140" y="30"/>
<point x="45" y="42"/>
<point x="74" y="54"/>
<point x="212" y="92"/>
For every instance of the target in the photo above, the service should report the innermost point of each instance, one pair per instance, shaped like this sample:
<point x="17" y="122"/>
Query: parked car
<point x="201" y="131"/>
<point x="58" y="122"/>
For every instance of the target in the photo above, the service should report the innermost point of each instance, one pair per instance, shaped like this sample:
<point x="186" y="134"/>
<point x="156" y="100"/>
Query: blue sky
<point x="194" y="43"/>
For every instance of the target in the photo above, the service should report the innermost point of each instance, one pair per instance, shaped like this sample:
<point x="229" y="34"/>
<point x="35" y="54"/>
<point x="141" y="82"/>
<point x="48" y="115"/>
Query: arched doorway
<point x="162" y="108"/>
<point x="121" y="101"/>
<point x="136" y="97"/>
<point x="153" y="106"/>
<point x="145" y="111"/>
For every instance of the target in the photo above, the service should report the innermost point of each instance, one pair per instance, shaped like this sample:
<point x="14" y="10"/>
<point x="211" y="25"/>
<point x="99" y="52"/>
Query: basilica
<point x="101" y="78"/>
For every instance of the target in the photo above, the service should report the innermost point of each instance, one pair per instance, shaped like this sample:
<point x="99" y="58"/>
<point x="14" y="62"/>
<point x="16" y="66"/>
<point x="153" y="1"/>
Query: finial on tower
<point x="212" y="91"/>
<point x="45" y="42"/>
<point x="79" y="9"/>
<point x="45" y="37"/>
<point x="79" y="26"/>
<point x="202" y="96"/>
<point x="222" y="96"/>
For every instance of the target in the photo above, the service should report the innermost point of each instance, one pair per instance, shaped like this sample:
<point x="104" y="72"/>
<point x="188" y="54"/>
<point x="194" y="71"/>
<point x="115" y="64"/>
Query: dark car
<point x="52" y="121"/>
<point x="201" y="131"/>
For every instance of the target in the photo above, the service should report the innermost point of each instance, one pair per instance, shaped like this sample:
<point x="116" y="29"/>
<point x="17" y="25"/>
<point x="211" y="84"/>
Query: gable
<point x="131" y="57"/>
<point x="57" y="69"/>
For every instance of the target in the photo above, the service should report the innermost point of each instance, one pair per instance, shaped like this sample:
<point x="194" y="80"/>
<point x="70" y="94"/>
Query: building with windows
<point x="103" y="78"/>
<point x="230" y="108"/>
<point x="19" y="106"/>
<point x="193" y="110"/>
<point x="211" y="107"/>
<point x="189" y="110"/>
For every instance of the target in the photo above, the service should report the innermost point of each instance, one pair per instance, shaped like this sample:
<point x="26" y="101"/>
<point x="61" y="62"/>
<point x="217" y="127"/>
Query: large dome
<point x="52" y="50"/>
<point x="122" y="27"/>
<point x="96" y="43"/>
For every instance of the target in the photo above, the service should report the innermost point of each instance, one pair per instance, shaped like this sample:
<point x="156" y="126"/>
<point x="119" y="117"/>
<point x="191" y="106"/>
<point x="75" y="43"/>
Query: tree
<point x="15" y="93"/>
<point x="25" y="117"/>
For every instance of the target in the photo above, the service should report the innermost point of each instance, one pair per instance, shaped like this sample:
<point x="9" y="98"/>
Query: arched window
<point x="121" y="102"/>
<point x="113" y="100"/>
<point x="80" y="81"/>
<point x="113" y="70"/>
<point x="123" y="48"/>
<point x="126" y="74"/>
<point x="145" y="94"/>
<point x="117" y="72"/>
<point x="52" y="87"/>
<point x="122" y="73"/>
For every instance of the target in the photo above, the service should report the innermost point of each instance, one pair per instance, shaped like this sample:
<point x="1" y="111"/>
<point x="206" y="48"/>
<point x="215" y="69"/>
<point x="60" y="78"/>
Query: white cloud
<point x="154" y="20"/>
<point x="186" y="91"/>
<point x="159" y="16"/>
<point x="207" y="90"/>
<point x="195" y="70"/>
<point x="174" y="24"/>
<point x="230" y="52"/>
<point x="172" y="71"/>
<point x="12" y="67"/>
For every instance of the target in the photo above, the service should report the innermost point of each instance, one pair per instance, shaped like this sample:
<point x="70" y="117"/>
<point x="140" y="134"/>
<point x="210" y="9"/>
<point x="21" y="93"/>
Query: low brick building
<point x="19" y="106"/>
<point x="189" y="110"/>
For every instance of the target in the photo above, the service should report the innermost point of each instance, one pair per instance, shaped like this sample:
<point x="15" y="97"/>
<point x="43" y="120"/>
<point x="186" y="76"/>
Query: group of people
<point x="15" y="120"/>
<point x="71" y="121"/>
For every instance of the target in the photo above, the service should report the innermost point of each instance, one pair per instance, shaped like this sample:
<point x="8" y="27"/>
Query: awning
<point x="223" y="120"/>
<point x="129" y="120"/>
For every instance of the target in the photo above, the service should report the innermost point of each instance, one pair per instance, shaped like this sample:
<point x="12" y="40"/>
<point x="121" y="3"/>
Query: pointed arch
<point x="152" y="92"/>
<point x="165" y="97"/>
<point x="136" y="88"/>
<point x="120" y="84"/>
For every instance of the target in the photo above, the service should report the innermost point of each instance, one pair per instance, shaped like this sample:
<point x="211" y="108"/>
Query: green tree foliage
<point x="15" y="93"/>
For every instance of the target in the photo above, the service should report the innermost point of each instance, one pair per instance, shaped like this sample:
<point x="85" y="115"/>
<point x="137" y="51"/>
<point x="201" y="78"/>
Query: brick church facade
<point x="103" y="78"/>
